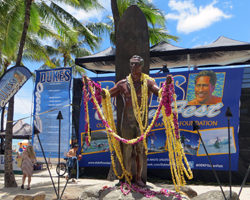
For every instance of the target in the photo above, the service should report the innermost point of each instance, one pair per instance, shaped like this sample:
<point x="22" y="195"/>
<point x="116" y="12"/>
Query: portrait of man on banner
<point x="206" y="87"/>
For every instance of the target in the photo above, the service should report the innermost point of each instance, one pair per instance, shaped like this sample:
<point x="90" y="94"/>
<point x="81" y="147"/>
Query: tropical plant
<point x="64" y="49"/>
<point x="154" y="16"/>
<point x="36" y="13"/>
<point x="63" y="54"/>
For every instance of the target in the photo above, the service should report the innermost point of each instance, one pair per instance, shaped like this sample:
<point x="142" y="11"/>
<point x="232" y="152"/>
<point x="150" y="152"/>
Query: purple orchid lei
<point x="97" y="92"/>
<point x="150" y="193"/>
<point x="128" y="187"/>
<point x="166" y="100"/>
<point x="144" y="191"/>
<point x="85" y="101"/>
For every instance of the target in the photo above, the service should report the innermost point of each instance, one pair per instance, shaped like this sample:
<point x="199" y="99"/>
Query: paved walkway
<point x="41" y="181"/>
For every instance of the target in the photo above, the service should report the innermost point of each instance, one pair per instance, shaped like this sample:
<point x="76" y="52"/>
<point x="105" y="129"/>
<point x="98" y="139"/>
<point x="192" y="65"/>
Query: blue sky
<point x="196" y="22"/>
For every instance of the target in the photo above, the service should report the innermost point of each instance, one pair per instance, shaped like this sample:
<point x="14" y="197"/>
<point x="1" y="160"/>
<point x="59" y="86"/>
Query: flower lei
<point x="114" y="145"/>
<point x="123" y="191"/>
<point x="112" y="132"/>
<point x="170" y="119"/>
<point x="173" y="144"/>
<point x="144" y="191"/>
<point x="150" y="193"/>
<point x="141" y="112"/>
<point x="86" y="110"/>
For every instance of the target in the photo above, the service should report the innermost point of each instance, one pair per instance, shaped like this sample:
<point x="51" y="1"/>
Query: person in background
<point x="72" y="158"/>
<point x="183" y="140"/>
<point x="164" y="69"/>
<point x="21" y="148"/>
<point x="29" y="159"/>
<point x="152" y="139"/>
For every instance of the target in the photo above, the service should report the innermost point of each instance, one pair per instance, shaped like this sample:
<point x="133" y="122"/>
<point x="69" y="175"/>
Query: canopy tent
<point x="101" y="62"/>
<point x="222" y="52"/>
<point x="24" y="142"/>
<point x="21" y="130"/>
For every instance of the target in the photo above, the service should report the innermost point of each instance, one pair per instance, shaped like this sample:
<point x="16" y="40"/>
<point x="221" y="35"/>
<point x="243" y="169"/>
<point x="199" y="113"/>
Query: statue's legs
<point x="129" y="130"/>
<point x="139" y="160"/>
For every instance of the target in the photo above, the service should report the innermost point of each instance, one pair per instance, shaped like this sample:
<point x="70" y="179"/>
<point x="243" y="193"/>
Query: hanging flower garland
<point x="105" y="123"/>
<point x="86" y="110"/>
<point x="176" y="152"/>
<point x="140" y="113"/>
<point x="114" y="145"/>
<point x="170" y="119"/>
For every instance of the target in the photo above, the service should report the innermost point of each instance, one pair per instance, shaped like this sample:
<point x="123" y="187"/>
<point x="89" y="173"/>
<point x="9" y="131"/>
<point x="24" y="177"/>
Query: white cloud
<point x="94" y="14"/>
<point x="227" y="4"/>
<point x="190" y="18"/>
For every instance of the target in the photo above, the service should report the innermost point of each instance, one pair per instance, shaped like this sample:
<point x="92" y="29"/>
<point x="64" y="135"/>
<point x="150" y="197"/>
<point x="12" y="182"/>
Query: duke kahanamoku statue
<point x="132" y="89"/>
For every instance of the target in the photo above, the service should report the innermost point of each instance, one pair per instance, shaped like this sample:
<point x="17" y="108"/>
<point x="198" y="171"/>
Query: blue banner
<point x="51" y="95"/>
<point x="11" y="82"/>
<point x="202" y="96"/>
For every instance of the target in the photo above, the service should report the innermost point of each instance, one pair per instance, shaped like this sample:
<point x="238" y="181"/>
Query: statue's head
<point x="136" y="64"/>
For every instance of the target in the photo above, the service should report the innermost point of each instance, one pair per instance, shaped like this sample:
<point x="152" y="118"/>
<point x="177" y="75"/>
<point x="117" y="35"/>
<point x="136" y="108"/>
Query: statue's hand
<point x="169" y="79"/>
<point x="103" y="94"/>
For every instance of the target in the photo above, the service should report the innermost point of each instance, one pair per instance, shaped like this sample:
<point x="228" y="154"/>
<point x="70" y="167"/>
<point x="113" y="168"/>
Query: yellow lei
<point x="173" y="145"/>
<point x="140" y="113"/>
<point x="114" y="145"/>
<point x="175" y="151"/>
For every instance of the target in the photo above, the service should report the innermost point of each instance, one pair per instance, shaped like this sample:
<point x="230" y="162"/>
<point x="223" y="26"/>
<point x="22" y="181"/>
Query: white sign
<point x="14" y="163"/>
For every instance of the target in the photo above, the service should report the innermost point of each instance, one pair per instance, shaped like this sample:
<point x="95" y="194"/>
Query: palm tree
<point x="154" y="16"/>
<point x="9" y="178"/>
<point x="63" y="53"/>
<point x="64" y="49"/>
<point x="11" y="26"/>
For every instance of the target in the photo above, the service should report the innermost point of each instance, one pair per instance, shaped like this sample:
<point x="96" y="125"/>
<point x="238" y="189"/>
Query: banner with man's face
<point x="203" y="96"/>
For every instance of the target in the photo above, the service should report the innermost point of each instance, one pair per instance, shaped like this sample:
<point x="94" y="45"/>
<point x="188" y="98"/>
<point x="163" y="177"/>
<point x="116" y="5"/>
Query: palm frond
<point x="157" y="35"/>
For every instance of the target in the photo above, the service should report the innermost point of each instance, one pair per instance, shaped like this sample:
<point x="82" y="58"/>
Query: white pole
<point x="188" y="58"/>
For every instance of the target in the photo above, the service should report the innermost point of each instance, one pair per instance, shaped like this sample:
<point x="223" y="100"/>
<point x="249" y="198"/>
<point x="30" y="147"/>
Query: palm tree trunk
<point x="115" y="13"/>
<point x="9" y="178"/>
<point x="25" y="30"/>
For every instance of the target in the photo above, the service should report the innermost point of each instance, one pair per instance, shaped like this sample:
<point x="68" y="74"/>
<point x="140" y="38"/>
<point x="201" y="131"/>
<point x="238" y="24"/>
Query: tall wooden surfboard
<point x="132" y="38"/>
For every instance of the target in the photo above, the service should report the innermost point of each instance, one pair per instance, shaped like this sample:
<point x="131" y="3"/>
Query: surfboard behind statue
<point x="132" y="38"/>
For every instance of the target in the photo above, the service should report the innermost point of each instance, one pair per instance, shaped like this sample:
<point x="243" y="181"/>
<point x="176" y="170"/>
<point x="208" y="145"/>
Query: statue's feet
<point x="140" y="183"/>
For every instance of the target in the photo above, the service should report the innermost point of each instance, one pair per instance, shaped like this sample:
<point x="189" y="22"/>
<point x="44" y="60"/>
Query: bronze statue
<point x="129" y="126"/>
